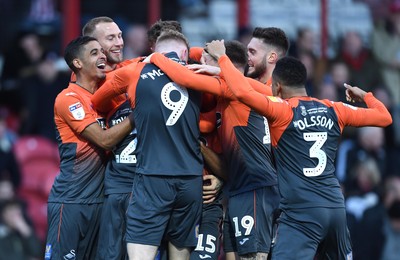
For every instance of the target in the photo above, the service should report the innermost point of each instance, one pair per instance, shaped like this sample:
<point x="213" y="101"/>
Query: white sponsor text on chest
<point x="152" y="74"/>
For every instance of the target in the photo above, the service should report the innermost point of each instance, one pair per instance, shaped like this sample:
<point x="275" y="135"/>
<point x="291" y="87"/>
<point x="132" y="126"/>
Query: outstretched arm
<point x="271" y="107"/>
<point x="375" y="115"/>
<point x="185" y="77"/>
<point x="116" y="84"/>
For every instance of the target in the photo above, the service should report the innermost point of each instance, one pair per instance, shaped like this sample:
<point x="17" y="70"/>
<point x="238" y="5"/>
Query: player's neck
<point x="88" y="84"/>
<point x="264" y="78"/>
<point x="294" y="94"/>
<point x="110" y="67"/>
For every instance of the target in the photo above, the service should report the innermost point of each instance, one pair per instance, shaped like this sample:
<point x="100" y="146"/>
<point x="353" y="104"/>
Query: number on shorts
<point x="209" y="243"/>
<point x="247" y="222"/>
<point x="177" y="107"/>
<point x="319" y="138"/>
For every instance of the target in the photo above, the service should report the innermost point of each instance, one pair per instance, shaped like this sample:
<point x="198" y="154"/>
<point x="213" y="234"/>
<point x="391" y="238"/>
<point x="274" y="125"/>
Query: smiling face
<point x="257" y="58"/>
<point x="110" y="38"/>
<point x="93" y="61"/>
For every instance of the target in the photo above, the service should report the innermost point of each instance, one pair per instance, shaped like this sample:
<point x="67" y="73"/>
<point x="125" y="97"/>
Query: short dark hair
<point x="237" y="52"/>
<point x="290" y="72"/>
<point x="273" y="36"/>
<point x="90" y="26"/>
<point x="173" y="35"/>
<point x="74" y="50"/>
<point x="155" y="30"/>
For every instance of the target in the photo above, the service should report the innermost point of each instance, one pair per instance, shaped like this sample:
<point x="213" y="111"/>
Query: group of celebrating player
<point x="179" y="123"/>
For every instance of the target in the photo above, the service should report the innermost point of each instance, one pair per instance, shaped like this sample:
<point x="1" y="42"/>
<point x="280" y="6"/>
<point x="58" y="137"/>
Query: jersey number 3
<point x="319" y="138"/>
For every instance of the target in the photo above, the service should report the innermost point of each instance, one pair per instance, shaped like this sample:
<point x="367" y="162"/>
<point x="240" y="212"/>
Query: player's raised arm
<point x="185" y="77"/>
<point x="116" y="84"/>
<point x="241" y="87"/>
<point x="375" y="115"/>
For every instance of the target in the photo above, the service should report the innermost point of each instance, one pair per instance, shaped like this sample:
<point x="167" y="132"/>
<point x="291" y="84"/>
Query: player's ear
<point x="77" y="63"/>
<point x="184" y="55"/>
<point x="278" y="90"/>
<point x="272" y="57"/>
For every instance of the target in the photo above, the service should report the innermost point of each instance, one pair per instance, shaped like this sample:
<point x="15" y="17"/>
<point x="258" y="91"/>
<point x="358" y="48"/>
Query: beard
<point x="114" y="59"/>
<point x="257" y="71"/>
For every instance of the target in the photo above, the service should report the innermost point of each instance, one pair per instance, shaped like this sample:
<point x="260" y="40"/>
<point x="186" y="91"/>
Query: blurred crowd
<point x="368" y="165"/>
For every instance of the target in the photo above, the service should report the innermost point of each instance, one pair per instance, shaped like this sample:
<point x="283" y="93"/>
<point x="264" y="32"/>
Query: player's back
<point x="305" y="155"/>
<point x="166" y="117"/>
<point x="246" y="146"/>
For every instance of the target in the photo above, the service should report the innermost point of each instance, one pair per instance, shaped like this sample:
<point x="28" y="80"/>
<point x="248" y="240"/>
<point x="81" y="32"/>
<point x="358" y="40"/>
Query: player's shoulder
<point x="68" y="94"/>
<point x="326" y="102"/>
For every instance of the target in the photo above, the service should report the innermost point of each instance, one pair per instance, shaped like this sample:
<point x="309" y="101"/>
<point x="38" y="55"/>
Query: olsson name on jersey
<point x="152" y="74"/>
<point x="314" y="121"/>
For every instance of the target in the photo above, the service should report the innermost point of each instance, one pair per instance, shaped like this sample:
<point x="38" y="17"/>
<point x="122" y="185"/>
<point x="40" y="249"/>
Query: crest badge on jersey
<point x="303" y="110"/>
<point x="77" y="111"/>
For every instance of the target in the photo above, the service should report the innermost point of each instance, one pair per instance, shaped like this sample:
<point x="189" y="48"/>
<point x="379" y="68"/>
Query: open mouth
<point x="101" y="66"/>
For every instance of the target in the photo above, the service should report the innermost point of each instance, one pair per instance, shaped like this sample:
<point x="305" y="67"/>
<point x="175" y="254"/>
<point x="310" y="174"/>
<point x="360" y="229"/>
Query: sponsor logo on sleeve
<point x="274" y="99"/>
<point x="77" y="111"/>
<point x="350" y="106"/>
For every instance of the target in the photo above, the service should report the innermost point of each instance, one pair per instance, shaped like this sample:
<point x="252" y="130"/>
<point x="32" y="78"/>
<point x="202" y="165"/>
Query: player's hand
<point x="354" y="94"/>
<point x="204" y="69"/>
<point x="215" y="48"/>
<point x="211" y="189"/>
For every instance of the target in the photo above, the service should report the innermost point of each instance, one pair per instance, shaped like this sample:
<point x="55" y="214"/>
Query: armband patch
<point x="77" y="111"/>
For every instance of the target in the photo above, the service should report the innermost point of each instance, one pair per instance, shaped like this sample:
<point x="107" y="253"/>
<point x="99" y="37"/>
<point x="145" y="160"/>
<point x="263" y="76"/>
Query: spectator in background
<point x="370" y="144"/>
<point x="392" y="132"/>
<point x="20" y="60"/>
<point x="135" y="43"/>
<point x="379" y="9"/>
<point x="8" y="165"/>
<point x="309" y="61"/>
<point x="327" y="90"/>
<point x="386" y="48"/>
<point x="363" y="194"/>
<point x="364" y="70"/>
<point x="305" y="42"/>
<point x="191" y="8"/>
<point x="362" y="190"/>
<point x="38" y="93"/>
<point x="380" y="227"/>
<point x="44" y="18"/>
<point x="337" y="74"/>
<point x="17" y="237"/>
